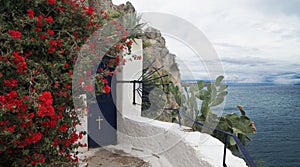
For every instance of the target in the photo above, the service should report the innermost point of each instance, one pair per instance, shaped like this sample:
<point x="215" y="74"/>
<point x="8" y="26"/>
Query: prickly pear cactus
<point x="211" y="95"/>
<point x="239" y="125"/>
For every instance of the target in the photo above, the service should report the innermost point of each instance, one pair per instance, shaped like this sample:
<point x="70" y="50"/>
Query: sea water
<point x="276" y="113"/>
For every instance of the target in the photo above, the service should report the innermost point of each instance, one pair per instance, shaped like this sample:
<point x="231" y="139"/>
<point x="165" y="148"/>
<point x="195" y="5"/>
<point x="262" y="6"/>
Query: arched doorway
<point x="102" y="116"/>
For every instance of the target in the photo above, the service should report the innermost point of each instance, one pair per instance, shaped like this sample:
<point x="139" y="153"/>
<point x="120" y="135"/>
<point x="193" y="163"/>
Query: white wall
<point x="132" y="70"/>
<point x="169" y="141"/>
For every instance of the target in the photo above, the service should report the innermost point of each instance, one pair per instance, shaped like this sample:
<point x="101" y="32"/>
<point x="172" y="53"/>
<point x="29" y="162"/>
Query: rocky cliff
<point x="156" y="54"/>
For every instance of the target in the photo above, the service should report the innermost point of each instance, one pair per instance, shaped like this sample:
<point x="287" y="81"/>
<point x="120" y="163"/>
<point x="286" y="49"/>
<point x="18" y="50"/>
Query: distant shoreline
<point x="230" y="83"/>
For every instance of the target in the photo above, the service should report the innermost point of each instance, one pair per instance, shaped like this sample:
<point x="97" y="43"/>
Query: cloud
<point x="290" y="7"/>
<point x="257" y="40"/>
<point x="284" y="78"/>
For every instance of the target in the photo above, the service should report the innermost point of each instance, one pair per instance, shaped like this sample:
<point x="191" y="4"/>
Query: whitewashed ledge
<point x="173" y="145"/>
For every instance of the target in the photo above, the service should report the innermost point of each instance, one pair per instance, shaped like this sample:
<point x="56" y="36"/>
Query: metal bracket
<point x="146" y="79"/>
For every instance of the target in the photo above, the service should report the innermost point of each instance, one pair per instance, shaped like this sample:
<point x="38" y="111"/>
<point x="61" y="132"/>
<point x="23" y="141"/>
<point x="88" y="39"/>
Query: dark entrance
<point x="102" y="117"/>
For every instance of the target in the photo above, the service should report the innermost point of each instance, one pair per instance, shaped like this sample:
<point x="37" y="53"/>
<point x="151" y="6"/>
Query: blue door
<point x="102" y="119"/>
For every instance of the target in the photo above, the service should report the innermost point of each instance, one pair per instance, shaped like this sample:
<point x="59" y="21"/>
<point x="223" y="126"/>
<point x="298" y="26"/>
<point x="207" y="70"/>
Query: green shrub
<point x="39" y="43"/>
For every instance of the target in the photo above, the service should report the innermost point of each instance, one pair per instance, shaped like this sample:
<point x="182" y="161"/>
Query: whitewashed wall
<point x="132" y="70"/>
<point x="175" y="146"/>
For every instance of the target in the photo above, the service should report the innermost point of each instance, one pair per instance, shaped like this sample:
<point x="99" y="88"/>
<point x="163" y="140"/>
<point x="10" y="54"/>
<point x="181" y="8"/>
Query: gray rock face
<point x="108" y="4"/>
<point x="100" y="4"/>
<point x="127" y="8"/>
<point x="152" y="33"/>
<point x="156" y="54"/>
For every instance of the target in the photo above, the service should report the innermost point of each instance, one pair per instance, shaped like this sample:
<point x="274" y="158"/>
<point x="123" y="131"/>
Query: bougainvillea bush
<point x="39" y="42"/>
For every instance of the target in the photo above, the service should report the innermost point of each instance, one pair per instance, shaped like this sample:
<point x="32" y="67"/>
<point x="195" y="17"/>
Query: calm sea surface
<point x="276" y="113"/>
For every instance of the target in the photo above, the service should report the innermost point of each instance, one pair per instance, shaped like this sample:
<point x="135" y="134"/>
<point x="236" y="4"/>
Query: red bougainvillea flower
<point x="118" y="59"/>
<point x="30" y="13"/>
<point x="45" y="107"/>
<point x="55" y="143"/>
<point x="33" y="162"/>
<point x="68" y="86"/>
<point x="4" y="122"/>
<point x="63" y="128"/>
<point x="43" y="36"/>
<point x="39" y="18"/>
<point x="104" y="81"/>
<point x="17" y="56"/>
<point x="33" y="138"/>
<point x="10" y="129"/>
<point x="11" y="82"/>
<point x="50" y="32"/>
<point x="49" y="19"/>
<point x="46" y="98"/>
<point x="51" y="2"/>
<point x="129" y="42"/>
<point x="106" y="89"/>
<point x="52" y="43"/>
<point x="59" y="42"/>
<point x="49" y="124"/>
<point x="15" y="34"/>
<point x="74" y="137"/>
<point x="51" y="50"/>
<point x="45" y="111"/>
<point x="61" y="9"/>
<point x="20" y="62"/>
<point x="90" y="10"/>
<point x="76" y="35"/>
<point x="37" y="29"/>
<point x="56" y="84"/>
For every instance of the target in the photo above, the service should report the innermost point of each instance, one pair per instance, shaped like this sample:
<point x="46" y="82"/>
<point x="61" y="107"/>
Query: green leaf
<point x="231" y="141"/>
<point x="200" y="85"/>
<point x="243" y="112"/>
<point x="242" y="138"/>
<point x="205" y="109"/>
<point x="245" y="117"/>
<point x="203" y="95"/>
<point x="219" y="80"/>
<point x="222" y="94"/>
<point x="236" y="130"/>
<point x="222" y="88"/>
<point x="248" y="138"/>
<point x="229" y="123"/>
<point x="213" y="91"/>
<point x="217" y="101"/>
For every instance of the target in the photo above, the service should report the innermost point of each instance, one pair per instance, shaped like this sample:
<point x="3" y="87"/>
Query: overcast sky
<point x="256" y="40"/>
